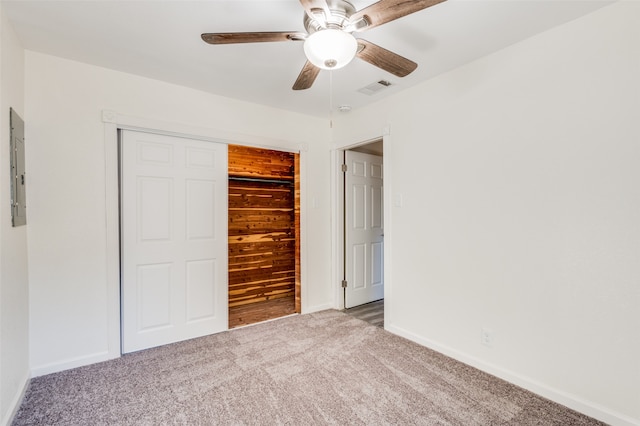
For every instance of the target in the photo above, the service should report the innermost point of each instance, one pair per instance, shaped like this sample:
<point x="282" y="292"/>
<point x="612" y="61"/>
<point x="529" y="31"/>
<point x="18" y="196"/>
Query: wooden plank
<point x="240" y="250"/>
<point x="265" y="284"/>
<point x="271" y="236"/>
<point x="264" y="198"/>
<point x="263" y="230"/>
<point x="257" y="299"/>
<point x="259" y="291"/>
<point x="255" y="296"/>
<point x="248" y="219"/>
<point x="261" y="311"/>
<point x="240" y="217"/>
<point x="242" y="201"/>
<point x="247" y="278"/>
<point x="257" y="186"/>
<point x="260" y="163"/>
<point x="264" y="287"/>
<point x="261" y="269"/>
<point x="278" y="264"/>
<point x="260" y="262"/>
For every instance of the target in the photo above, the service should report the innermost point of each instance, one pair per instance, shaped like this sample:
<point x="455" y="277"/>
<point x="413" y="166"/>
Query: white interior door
<point x="173" y="239"/>
<point x="363" y="228"/>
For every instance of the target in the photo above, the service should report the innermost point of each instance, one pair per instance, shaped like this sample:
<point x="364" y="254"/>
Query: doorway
<point x="264" y="234"/>
<point x="210" y="237"/>
<point x="363" y="232"/>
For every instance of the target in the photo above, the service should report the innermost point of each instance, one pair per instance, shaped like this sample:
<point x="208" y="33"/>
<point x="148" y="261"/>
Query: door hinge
<point x="344" y="283"/>
<point x="344" y="168"/>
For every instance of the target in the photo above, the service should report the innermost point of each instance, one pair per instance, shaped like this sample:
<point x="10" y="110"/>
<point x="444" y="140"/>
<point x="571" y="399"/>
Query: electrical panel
<point x="18" y="193"/>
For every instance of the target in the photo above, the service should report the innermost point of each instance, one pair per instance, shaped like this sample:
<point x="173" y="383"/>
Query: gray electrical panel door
<point x="18" y="193"/>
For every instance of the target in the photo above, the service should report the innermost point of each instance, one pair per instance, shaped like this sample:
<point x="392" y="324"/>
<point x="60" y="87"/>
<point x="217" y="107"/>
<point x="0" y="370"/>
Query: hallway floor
<point x="373" y="313"/>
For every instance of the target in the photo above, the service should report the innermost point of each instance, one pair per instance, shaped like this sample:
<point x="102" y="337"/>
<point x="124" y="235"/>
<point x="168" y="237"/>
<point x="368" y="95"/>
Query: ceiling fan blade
<point x="253" y="37"/>
<point x="388" y="10"/>
<point x="385" y="59"/>
<point x="315" y="5"/>
<point x="307" y="76"/>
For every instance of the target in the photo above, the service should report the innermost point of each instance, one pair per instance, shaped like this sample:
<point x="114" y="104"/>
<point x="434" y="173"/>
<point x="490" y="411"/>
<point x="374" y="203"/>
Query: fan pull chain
<point x="331" y="99"/>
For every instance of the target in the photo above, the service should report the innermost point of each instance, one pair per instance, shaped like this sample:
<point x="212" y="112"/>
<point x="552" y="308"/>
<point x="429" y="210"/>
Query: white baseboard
<point x="575" y="403"/>
<point x="16" y="402"/>
<point x="72" y="363"/>
<point x="317" y="308"/>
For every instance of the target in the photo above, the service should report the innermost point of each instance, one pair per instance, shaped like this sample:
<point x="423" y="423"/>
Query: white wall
<point x="71" y="162"/>
<point x="519" y="177"/>
<point x="14" y="305"/>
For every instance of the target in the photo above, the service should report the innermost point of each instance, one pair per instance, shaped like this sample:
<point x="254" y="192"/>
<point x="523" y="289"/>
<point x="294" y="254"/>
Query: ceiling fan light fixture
<point x="330" y="49"/>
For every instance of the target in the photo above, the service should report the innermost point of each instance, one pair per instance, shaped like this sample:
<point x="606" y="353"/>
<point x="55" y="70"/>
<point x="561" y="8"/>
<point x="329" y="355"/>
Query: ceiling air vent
<point x="374" y="88"/>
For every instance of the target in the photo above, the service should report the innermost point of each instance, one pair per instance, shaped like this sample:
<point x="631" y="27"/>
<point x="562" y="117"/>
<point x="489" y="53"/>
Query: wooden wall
<point x="296" y="178"/>
<point x="262" y="226"/>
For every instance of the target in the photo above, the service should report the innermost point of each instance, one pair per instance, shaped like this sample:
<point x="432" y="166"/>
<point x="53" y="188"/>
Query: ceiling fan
<point x="329" y="42"/>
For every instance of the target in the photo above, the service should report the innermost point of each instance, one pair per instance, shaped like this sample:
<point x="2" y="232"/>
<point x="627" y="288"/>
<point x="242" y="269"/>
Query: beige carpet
<point x="322" y="368"/>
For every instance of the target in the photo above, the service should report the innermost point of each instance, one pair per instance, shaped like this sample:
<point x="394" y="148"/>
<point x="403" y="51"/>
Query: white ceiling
<point x="161" y="40"/>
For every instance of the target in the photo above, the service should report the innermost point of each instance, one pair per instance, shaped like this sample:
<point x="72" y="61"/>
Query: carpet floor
<point x="321" y="368"/>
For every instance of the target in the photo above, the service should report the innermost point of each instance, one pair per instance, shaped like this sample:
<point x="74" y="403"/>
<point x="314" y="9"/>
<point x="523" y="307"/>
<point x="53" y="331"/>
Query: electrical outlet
<point x="486" y="337"/>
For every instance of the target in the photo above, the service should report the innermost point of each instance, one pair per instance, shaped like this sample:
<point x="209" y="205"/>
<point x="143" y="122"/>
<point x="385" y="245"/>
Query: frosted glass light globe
<point x="330" y="49"/>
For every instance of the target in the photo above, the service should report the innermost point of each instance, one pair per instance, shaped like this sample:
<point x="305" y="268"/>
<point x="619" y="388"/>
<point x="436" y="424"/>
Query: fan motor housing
<point x="341" y="11"/>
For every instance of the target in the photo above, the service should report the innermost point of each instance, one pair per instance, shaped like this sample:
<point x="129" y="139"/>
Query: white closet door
<point x="364" y="233"/>
<point x="174" y="239"/>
